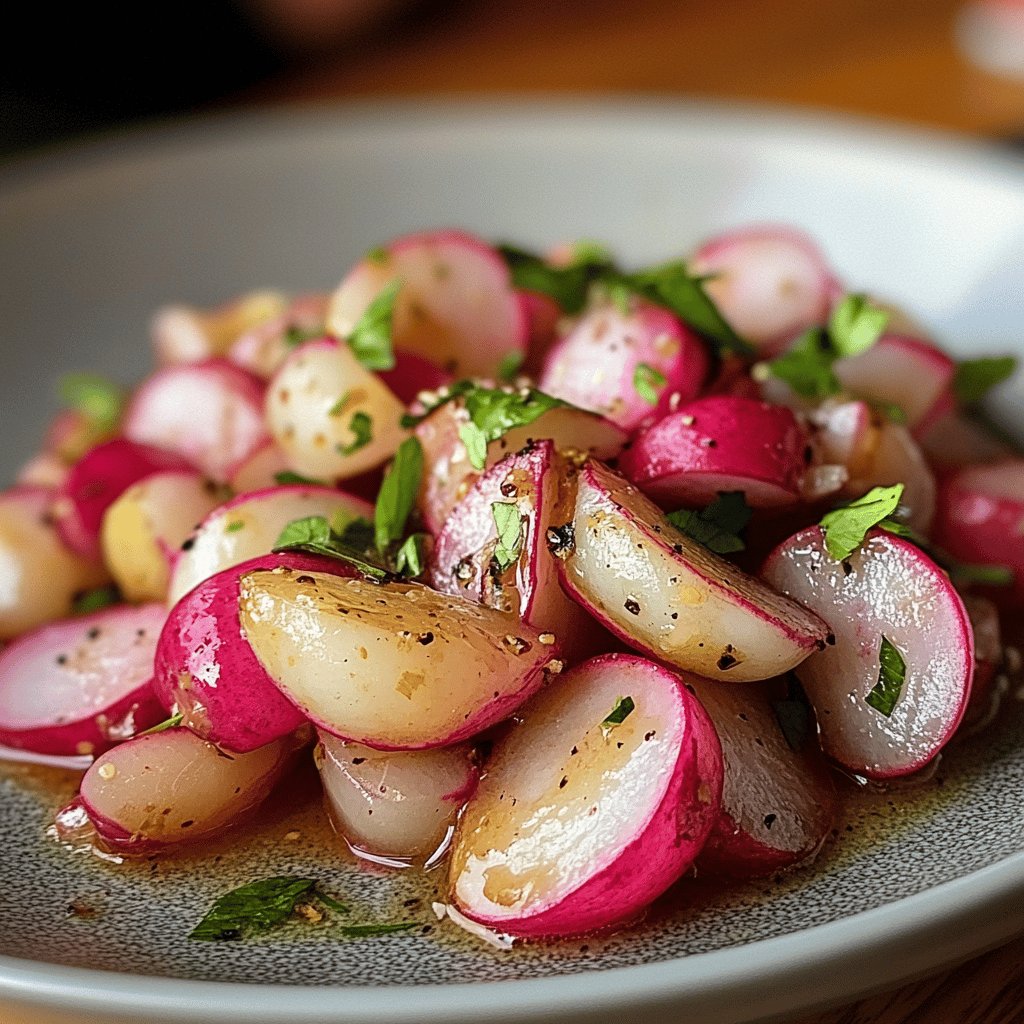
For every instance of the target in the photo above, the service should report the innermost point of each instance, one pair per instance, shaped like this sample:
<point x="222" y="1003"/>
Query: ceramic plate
<point x="91" y="242"/>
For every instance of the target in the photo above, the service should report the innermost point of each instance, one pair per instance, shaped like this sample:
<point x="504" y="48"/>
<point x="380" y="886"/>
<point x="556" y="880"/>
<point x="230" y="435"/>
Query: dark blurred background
<point x="86" y="67"/>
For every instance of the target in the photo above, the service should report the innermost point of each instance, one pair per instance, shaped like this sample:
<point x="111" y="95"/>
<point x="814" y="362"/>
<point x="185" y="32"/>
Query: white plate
<point x="90" y="243"/>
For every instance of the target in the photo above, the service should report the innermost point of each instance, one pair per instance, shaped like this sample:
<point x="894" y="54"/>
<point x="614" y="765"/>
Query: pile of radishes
<point x="574" y="633"/>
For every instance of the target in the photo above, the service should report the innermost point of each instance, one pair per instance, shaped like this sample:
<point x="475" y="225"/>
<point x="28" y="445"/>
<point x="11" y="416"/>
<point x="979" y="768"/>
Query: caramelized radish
<point x="395" y="806"/>
<point x="456" y="305"/>
<point x="83" y="684"/>
<point x="396" y="666"/>
<point x="669" y="596"/>
<point x="887" y="590"/>
<point x="579" y="824"/>
<point x="171" y="787"/>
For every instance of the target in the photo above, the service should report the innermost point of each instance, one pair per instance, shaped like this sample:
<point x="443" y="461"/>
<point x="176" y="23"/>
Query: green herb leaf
<point x="717" y="527"/>
<point x="648" y="383"/>
<point x="588" y="253"/>
<point x="378" y="254"/>
<point x="568" y="286"/>
<point x="623" y="708"/>
<point x="296" y="335"/>
<point x="370" y="339"/>
<point x="509" y="524"/>
<point x="794" y="716"/>
<point x="331" y="903"/>
<point x="369" y="931"/>
<point x="96" y="600"/>
<point x="287" y="478"/>
<point x="855" y="325"/>
<point x="807" y="366"/>
<point x="974" y="378"/>
<point x="397" y="493"/>
<point x="496" y="411"/>
<point x="476" y="444"/>
<point x="256" y="907"/>
<point x="892" y="672"/>
<point x="361" y="428"/>
<point x="510" y="365"/>
<point x="168" y="723"/>
<point x="339" y="406"/>
<point x="99" y="400"/>
<point x="411" y="556"/>
<point x="315" y="536"/>
<point x="356" y="534"/>
<point x="966" y="573"/>
<point x="234" y="526"/>
<point x="846" y="527"/>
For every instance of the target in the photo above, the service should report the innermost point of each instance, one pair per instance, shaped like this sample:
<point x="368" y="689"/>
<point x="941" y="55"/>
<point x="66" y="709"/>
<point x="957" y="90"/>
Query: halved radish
<point x="412" y="374"/>
<point x="720" y="443"/>
<point x="264" y="347"/>
<point x="886" y="592"/>
<point x="206" y="671"/>
<point x="954" y="441"/>
<point x="331" y="416"/>
<point x="40" y="577"/>
<point x="98" y="480"/>
<point x="71" y="434"/>
<point x="456" y="306"/>
<point x="885" y="371"/>
<point x="981" y="520"/>
<point x="778" y="803"/>
<point x="183" y="334"/>
<point x="81" y="685"/>
<point x="43" y="470"/>
<point x="448" y="473"/>
<point x="580" y="823"/>
<point x="395" y="806"/>
<point x="841" y="433"/>
<point x="396" y="666"/>
<point x="464" y="562"/>
<point x="770" y="283"/>
<point x="210" y="413"/>
<point x="144" y="529"/>
<point x="669" y="596"/>
<point x="172" y="787"/>
<point x="628" y="366"/>
<point x="258" y="471"/>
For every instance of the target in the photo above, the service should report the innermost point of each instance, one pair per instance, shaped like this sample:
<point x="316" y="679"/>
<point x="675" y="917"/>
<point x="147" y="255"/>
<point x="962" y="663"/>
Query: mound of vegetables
<point x="569" y="578"/>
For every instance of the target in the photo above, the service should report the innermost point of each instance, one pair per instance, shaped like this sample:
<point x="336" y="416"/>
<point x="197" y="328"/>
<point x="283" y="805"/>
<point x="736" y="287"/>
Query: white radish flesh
<point x="396" y="806"/>
<point x="263" y="348"/>
<point x="258" y="471"/>
<point x="578" y="825"/>
<point x="669" y="596"/>
<point x="396" y="666"/>
<point x="888" y="589"/>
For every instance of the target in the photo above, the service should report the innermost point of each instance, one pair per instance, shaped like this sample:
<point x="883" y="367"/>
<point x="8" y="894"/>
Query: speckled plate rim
<point x="800" y="971"/>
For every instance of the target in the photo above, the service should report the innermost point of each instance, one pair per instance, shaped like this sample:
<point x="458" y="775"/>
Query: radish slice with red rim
<point x="266" y="345"/>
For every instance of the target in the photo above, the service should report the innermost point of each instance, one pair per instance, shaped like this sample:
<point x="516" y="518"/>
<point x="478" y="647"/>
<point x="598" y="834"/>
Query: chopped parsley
<point x="287" y="478"/>
<point x="296" y="335"/>
<point x="99" y="400"/>
<point x="314" y="535"/>
<point x="95" y="600"/>
<point x="410" y="558"/>
<point x="397" y="493"/>
<point x="717" y="527"/>
<point x="974" y="378"/>
<point x="476" y="444"/>
<point x="370" y="339"/>
<point x="509" y="523"/>
<point x="234" y="526"/>
<point x="339" y="406"/>
<point x="623" y="708"/>
<point x="846" y="527"/>
<point x="794" y="715"/>
<point x="568" y="286"/>
<point x="966" y="573"/>
<point x="892" y="672"/>
<point x="168" y="723"/>
<point x="648" y="382"/>
<point x="510" y="365"/>
<point x="361" y="429"/>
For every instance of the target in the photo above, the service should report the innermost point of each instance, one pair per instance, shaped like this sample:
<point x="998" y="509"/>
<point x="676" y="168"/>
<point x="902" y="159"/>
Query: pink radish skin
<point x="263" y="348"/>
<point x="206" y="671"/>
<point x="955" y="441"/>
<point x="396" y="808"/>
<point x="396" y="666"/>
<point x="97" y="481"/>
<point x="210" y="413"/>
<point x="981" y="520"/>
<point x="456" y="306"/>
<point x="81" y="685"/>
<point x="413" y="374"/>
<point x="258" y="471"/>
<point x="882" y="373"/>
<point x="461" y="563"/>
<point x="172" y="787"/>
<point x="39" y="575"/>
<point x="576" y="827"/>
<point x="778" y="804"/>
<point x="889" y="588"/>
<point x="448" y="474"/>
<point x="596" y="364"/>
<point x="249" y="526"/>
<point x="716" y="444"/>
<point x="769" y="282"/>
<point x="668" y="596"/>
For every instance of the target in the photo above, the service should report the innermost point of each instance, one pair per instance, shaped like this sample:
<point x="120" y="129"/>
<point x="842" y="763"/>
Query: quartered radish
<point x="80" y="685"/>
<point x="144" y="529"/>
<point x="258" y="471"/>
<point x="264" y="347"/>
<point x="770" y="283"/>
<point x="888" y="603"/>
<point x="97" y="481"/>
<point x="172" y="787"/>
<point x="630" y="367"/>
<point x="779" y="800"/>
<point x="666" y="595"/>
<point x="397" y="807"/>
<point x="519" y="575"/>
<point x="210" y="413"/>
<point x="40" y="576"/>
<point x="448" y="474"/>
<point x="396" y="666"/>
<point x="596" y="800"/>
<point x="205" y="670"/>
<point x="184" y="334"/>
<point x="250" y="525"/>
<point x="331" y="416"/>
<point x="456" y="305"/>
<point x="720" y="443"/>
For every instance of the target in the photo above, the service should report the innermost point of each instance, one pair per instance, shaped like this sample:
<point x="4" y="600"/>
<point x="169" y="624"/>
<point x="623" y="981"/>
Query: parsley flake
<point x="623" y="708"/>
<point x="287" y="478"/>
<point x="99" y="400"/>
<point x="892" y="672"/>
<point x="256" y="907"/>
<point x="717" y="527"/>
<point x="397" y="493"/>
<point x="846" y="527"/>
<point x="370" y="339"/>
<point x="316" y="536"/>
<point x="974" y="378"/>
<point x="411" y="556"/>
<point x="509" y="524"/>
<point x="361" y="428"/>
<point x="95" y="600"/>
<point x="855" y="325"/>
<point x="168" y="723"/>
<point x="510" y="365"/>
<point x="296" y="335"/>
<point x="648" y="383"/>
<point x="476" y="444"/>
